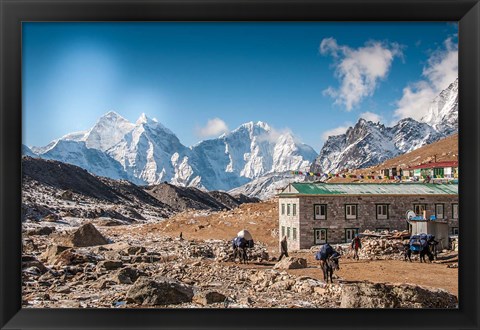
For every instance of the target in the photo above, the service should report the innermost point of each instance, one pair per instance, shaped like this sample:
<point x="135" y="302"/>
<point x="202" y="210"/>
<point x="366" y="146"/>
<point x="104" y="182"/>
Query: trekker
<point x="283" y="248"/>
<point x="356" y="245"/>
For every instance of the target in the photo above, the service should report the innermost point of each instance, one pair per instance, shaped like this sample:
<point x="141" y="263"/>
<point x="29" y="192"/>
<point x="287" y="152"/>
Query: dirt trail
<point x="380" y="271"/>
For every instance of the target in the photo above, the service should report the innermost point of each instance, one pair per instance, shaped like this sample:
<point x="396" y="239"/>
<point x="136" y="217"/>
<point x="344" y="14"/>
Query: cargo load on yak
<point x="239" y="242"/>
<point x="420" y="241"/>
<point x="245" y="234"/>
<point x="326" y="250"/>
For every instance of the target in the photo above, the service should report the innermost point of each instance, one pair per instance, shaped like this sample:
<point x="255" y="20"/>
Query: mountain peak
<point x="144" y="119"/>
<point x="111" y="115"/>
<point x="251" y="125"/>
<point x="263" y="125"/>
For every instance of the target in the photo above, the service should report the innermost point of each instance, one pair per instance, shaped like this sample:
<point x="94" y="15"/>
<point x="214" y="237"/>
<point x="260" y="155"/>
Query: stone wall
<point x="336" y="221"/>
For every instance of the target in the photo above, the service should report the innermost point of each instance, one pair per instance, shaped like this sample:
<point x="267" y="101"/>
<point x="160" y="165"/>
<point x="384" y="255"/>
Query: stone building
<point x="316" y="213"/>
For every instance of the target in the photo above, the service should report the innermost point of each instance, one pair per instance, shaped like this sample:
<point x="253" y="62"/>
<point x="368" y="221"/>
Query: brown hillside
<point x="260" y="219"/>
<point x="442" y="150"/>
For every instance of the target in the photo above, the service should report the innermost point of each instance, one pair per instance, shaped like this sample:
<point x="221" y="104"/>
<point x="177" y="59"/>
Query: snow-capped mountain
<point x="26" y="151"/>
<point x="93" y="160"/>
<point x="264" y="187"/>
<point x="443" y="112"/>
<point x="369" y="143"/>
<point x="146" y="152"/>
<point x="248" y="152"/>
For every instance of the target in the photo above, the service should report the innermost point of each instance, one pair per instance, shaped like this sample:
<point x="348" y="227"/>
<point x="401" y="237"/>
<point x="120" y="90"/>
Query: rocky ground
<point x="128" y="267"/>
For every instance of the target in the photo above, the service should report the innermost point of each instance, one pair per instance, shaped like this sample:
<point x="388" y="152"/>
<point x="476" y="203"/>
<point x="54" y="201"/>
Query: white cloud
<point x="370" y="116"/>
<point x="336" y="131"/>
<point x="214" y="127"/>
<point x="440" y="71"/>
<point x="358" y="70"/>
<point x="273" y="134"/>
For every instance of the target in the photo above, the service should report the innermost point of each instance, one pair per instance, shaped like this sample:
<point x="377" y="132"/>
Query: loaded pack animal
<point x="328" y="261"/>
<point x="422" y="245"/>
<point x="240" y="245"/>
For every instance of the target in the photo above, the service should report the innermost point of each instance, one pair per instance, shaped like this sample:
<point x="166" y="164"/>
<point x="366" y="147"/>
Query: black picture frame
<point x="13" y="12"/>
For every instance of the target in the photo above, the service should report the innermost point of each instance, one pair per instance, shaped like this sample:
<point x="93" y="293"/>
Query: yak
<point x="328" y="261"/>
<point x="422" y="245"/>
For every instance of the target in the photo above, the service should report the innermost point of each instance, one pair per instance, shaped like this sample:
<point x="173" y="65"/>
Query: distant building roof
<point x="370" y="189"/>
<point x="452" y="163"/>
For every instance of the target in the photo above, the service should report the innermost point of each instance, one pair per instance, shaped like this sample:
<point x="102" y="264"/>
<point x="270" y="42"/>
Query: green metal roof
<point x="374" y="189"/>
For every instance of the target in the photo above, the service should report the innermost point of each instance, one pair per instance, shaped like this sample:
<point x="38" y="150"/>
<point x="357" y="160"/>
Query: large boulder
<point x="87" y="235"/>
<point x="382" y="295"/>
<point x="291" y="263"/>
<point x="160" y="291"/>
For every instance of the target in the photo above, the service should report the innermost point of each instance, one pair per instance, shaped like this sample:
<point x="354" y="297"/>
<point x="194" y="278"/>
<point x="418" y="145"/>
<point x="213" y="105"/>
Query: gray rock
<point x="109" y="264"/>
<point x="160" y="291"/>
<point x="127" y="275"/>
<point x="291" y="263"/>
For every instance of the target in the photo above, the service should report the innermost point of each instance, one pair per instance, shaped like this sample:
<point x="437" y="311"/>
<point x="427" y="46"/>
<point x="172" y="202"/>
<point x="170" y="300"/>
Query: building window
<point x="455" y="211"/>
<point x="283" y="231"/>
<point x="350" y="234"/>
<point x="283" y="209"/>
<point x="294" y="234"/>
<point x="294" y="211"/>
<point x="320" y="211"/>
<point x="288" y="209"/>
<point x="439" y="211"/>
<point x="455" y="231"/>
<point x="419" y="208"/>
<point x="350" y="211"/>
<point x="382" y="211"/>
<point x="288" y="232"/>
<point x="320" y="236"/>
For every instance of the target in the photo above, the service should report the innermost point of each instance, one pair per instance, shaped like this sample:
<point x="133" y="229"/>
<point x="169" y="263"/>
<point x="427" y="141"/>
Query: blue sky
<point x="201" y="79"/>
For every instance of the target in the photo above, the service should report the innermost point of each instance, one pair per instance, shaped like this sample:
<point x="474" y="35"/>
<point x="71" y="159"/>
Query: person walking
<point x="356" y="245"/>
<point x="283" y="248"/>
